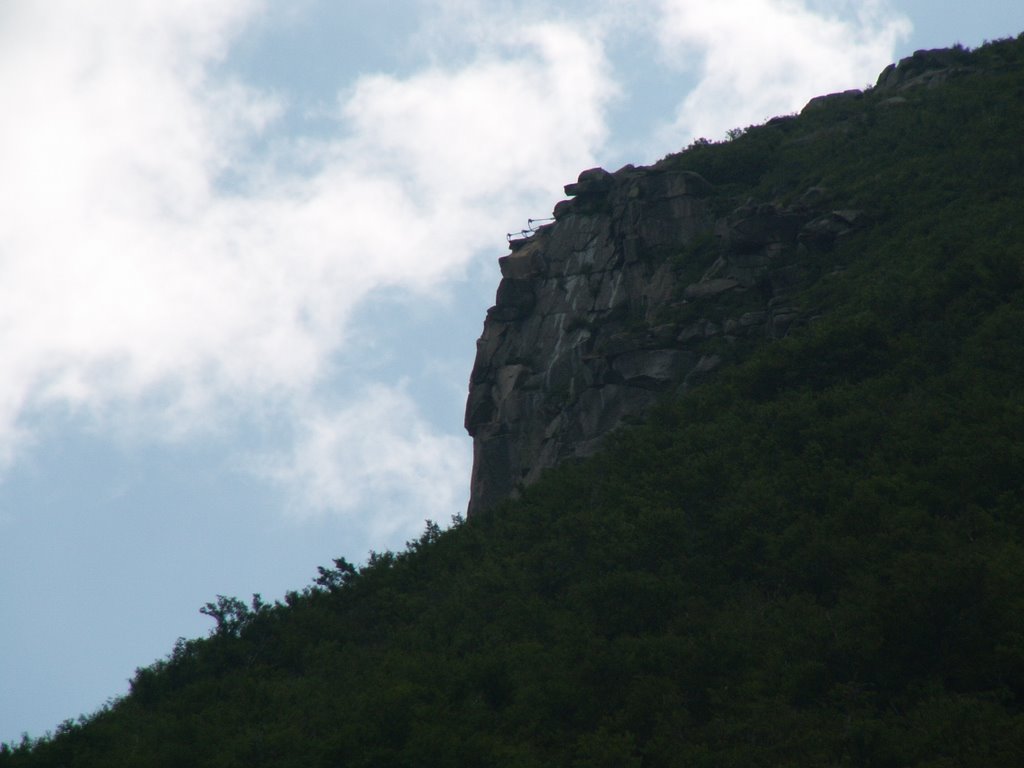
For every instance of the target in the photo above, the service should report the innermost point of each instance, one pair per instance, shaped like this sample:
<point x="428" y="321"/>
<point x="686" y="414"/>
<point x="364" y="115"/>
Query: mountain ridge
<point x="813" y="558"/>
<point x="627" y="294"/>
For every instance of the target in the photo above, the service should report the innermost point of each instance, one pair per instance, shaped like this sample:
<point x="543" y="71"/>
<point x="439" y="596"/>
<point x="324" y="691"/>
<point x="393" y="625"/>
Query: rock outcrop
<point x="636" y="289"/>
<point x="646" y="281"/>
<point x="925" y="68"/>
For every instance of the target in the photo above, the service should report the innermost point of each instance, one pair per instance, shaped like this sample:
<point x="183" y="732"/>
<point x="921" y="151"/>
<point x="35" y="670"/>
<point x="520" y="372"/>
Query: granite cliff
<point x="636" y="289"/>
<point x="646" y="281"/>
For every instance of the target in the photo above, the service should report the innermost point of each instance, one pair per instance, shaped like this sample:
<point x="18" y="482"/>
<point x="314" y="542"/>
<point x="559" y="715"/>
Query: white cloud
<point x="760" y="58"/>
<point x="492" y="132"/>
<point x="159" y="265"/>
<point x="135" y="284"/>
<point x="376" y="454"/>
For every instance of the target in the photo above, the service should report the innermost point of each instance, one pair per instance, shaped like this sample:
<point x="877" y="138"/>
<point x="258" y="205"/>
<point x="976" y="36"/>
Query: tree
<point x="231" y="614"/>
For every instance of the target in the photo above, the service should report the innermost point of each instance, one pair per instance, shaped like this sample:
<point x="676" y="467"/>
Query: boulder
<point x="821" y="232"/>
<point x="563" y="208"/>
<point x="594" y="181"/>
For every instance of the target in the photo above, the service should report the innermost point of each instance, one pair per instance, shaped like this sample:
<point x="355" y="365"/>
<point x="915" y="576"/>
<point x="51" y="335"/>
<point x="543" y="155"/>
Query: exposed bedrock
<point x="631" y="292"/>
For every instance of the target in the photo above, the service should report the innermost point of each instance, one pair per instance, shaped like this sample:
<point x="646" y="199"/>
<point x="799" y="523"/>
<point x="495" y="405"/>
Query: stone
<point x="595" y="176"/>
<point x="849" y="216"/>
<point x="700" y="371"/>
<point x="821" y="232"/>
<point x="514" y="300"/>
<point x="671" y="184"/>
<point x="780" y="320"/>
<point x="594" y="181"/>
<point x="524" y="262"/>
<point x="784" y="281"/>
<point x="748" y="229"/>
<point x="562" y="209"/>
<point x="713" y="287"/>
<point x="819" y="102"/>
<point x="692" y="332"/>
<point x="581" y="340"/>
<point x="815" y="196"/>
<point x="923" y="68"/>
<point x="649" y="368"/>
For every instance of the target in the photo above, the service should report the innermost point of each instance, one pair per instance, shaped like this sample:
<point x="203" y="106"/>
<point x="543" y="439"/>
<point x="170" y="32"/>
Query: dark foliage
<point x="814" y="559"/>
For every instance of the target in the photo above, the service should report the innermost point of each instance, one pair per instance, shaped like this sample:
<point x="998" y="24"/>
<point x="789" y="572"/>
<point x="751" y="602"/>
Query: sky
<point x="246" y="248"/>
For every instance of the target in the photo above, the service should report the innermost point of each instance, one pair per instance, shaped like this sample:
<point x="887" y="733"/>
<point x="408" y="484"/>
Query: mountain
<point x="649" y="279"/>
<point x="768" y="501"/>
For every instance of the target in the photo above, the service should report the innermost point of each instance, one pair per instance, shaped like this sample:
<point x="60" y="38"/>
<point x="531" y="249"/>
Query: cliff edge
<point x="636" y="289"/>
<point x="648" y="279"/>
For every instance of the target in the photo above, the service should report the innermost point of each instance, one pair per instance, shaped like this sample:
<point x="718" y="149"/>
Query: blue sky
<point x="247" y="248"/>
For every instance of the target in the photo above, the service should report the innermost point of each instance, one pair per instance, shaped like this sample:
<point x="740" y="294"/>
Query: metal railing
<point x="532" y="225"/>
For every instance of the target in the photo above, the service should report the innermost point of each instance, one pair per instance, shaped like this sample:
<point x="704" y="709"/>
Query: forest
<point x="815" y="557"/>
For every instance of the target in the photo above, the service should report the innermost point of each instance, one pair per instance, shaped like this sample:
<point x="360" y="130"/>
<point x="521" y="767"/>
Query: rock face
<point x="925" y="68"/>
<point x="636" y="289"/>
<point x="928" y="68"/>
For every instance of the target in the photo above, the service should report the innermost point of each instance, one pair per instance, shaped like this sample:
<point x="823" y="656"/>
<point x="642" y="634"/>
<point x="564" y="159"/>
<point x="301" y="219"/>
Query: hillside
<point x="812" y="556"/>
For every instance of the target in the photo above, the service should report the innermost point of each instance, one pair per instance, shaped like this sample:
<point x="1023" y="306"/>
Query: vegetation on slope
<point x="815" y="559"/>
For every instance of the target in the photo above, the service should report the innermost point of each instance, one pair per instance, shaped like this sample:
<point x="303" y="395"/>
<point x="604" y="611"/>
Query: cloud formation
<point x="162" y="262"/>
<point x="376" y="455"/>
<point x="755" y="59"/>
<point x="153" y="266"/>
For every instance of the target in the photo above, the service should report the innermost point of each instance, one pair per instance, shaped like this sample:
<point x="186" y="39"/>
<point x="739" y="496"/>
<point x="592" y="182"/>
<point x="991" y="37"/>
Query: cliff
<point x="649" y="279"/>
<point x="636" y="289"/>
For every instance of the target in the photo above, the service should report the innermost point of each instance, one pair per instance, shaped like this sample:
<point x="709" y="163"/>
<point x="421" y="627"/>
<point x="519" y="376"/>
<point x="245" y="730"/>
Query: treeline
<point x="814" y="559"/>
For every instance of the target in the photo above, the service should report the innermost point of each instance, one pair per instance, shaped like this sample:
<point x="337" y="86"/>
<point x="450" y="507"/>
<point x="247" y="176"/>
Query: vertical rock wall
<point x="622" y="298"/>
